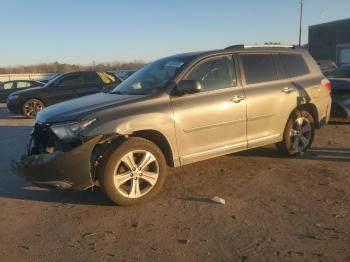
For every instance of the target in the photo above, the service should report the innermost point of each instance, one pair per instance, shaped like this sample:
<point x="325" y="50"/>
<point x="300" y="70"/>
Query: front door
<point x="212" y="122"/>
<point x="65" y="88"/>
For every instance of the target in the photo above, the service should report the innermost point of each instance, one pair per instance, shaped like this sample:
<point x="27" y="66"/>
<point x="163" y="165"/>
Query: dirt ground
<point x="277" y="209"/>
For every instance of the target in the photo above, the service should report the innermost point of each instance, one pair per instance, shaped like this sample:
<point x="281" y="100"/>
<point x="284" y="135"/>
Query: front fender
<point x="158" y="122"/>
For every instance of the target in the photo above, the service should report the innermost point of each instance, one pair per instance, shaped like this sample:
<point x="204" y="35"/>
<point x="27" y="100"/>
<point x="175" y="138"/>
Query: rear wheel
<point x="31" y="107"/>
<point x="298" y="135"/>
<point x="133" y="172"/>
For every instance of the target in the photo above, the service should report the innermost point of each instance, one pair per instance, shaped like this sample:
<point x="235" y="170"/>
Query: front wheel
<point x="31" y="107"/>
<point x="134" y="172"/>
<point x="298" y="135"/>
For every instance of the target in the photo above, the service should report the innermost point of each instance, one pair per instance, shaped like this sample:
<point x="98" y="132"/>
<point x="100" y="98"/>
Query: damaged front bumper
<point x="64" y="170"/>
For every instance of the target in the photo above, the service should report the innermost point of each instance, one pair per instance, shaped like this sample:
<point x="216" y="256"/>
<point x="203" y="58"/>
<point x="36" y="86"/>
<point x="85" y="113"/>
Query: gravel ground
<point x="277" y="209"/>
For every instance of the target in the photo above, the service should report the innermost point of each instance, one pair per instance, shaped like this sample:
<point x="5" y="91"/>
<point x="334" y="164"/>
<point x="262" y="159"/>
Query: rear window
<point x="294" y="65"/>
<point x="259" y="68"/>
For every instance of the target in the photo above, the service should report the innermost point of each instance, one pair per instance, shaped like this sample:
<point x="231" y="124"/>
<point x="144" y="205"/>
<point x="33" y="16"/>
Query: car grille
<point x="42" y="139"/>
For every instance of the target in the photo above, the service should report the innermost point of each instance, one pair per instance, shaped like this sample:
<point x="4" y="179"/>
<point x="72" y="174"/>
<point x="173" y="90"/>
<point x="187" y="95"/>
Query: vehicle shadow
<point x="315" y="153"/>
<point x="31" y="193"/>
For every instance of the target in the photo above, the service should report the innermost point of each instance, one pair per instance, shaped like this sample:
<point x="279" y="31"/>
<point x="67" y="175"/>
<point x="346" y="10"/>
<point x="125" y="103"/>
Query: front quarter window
<point x="152" y="78"/>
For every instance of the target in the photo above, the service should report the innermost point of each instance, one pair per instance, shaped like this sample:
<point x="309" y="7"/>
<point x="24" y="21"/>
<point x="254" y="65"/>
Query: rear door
<point x="270" y="97"/>
<point x="211" y="122"/>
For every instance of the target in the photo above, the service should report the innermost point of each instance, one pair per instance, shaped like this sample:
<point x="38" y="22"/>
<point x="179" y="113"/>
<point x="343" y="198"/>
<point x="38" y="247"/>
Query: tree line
<point x="64" y="68"/>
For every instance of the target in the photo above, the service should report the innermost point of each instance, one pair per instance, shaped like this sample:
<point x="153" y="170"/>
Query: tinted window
<point x="91" y="77"/>
<point x="259" y="68"/>
<point x="294" y="65"/>
<point x="154" y="77"/>
<point x="8" y="85"/>
<point x="70" y="80"/>
<point x="214" y="74"/>
<point x="22" y="84"/>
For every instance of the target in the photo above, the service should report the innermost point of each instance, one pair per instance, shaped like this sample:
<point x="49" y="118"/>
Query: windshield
<point x="340" y="72"/>
<point x="152" y="78"/>
<point x="53" y="79"/>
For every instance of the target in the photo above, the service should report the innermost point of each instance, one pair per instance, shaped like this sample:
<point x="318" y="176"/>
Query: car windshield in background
<point x="152" y="78"/>
<point x="340" y="72"/>
<point x="53" y="79"/>
<point x="107" y="78"/>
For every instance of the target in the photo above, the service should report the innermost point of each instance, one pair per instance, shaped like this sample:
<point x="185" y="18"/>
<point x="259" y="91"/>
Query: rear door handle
<point x="288" y="89"/>
<point x="237" y="99"/>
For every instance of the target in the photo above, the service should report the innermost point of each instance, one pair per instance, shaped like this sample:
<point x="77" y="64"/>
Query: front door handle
<point x="288" y="89"/>
<point x="237" y="99"/>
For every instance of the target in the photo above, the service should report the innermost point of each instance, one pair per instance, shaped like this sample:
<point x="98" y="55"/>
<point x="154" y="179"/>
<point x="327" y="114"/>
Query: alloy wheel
<point x="136" y="173"/>
<point x="301" y="134"/>
<point x="32" y="107"/>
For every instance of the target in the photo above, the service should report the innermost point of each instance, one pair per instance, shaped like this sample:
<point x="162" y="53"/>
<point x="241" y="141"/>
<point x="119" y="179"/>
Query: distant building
<point x="331" y="41"/>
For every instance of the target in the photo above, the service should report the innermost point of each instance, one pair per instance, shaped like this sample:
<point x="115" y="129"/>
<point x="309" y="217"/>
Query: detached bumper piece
<point x="58" y="169"/>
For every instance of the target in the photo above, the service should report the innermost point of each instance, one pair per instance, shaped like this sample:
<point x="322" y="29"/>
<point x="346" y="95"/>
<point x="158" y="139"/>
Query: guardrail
<point x="35" y="76"/>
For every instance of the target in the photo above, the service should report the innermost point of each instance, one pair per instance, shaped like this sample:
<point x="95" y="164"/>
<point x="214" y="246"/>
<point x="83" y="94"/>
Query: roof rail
<point x="234" y="47"/>
<point x="258" y="46"/>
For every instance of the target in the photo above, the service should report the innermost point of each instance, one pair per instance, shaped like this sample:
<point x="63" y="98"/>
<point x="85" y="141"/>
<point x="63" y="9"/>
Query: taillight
<point x="326" y="84"/>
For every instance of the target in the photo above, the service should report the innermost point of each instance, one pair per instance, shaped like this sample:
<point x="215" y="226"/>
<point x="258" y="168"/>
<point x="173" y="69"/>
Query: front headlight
<point x="70" y="130"/>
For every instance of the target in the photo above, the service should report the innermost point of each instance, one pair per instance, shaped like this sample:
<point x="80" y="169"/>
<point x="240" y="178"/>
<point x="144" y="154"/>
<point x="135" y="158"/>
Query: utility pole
<point x="301" y="20"/>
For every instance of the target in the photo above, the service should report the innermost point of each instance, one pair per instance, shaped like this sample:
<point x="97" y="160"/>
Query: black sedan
<point x="64" y="87"/>
<point x="9" y="87"/>
<point x="340" y="79"/>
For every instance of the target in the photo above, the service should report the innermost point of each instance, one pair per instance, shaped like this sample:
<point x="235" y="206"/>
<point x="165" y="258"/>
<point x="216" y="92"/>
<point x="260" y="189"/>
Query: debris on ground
<point x="184" y="241"/>
<point x="89" y="234"/>
<point x="218" y="200"/>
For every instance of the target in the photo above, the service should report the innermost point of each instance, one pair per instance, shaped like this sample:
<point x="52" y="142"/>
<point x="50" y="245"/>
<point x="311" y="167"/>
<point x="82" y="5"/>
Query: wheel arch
<point x="114" y="140"/>
<point x="24" y="100"/>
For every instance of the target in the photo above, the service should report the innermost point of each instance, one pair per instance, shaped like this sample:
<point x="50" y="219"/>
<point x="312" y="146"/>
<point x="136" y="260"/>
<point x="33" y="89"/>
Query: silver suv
<point x="175" y="111"/>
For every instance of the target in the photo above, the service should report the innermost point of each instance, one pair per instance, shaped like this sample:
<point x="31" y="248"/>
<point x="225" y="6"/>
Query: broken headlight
<point x="70" y="130"/>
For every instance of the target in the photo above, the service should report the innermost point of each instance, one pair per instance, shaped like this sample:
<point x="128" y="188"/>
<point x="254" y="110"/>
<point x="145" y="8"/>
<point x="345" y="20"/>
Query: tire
<point x="137" y="182"/>
<point x="298" y="134"/>
<point x="31" y="107"/>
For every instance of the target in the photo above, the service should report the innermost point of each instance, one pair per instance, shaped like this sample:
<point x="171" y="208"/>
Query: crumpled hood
<point x="75" y="109"/>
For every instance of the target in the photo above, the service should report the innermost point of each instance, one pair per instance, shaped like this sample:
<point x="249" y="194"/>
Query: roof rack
<point x="258" y="46"/>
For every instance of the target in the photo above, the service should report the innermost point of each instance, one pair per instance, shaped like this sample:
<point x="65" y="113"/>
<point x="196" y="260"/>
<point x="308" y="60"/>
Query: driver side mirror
<point x="188" y="87"/>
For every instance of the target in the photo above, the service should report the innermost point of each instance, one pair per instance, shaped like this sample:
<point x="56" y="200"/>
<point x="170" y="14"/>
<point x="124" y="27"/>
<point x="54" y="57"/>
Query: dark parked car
<point x="326" y="66"/>
<point x="9" y="87"/>
<point x="340" y="80"/>
<point x="176" y="111"/>
<point x="63" y="87"/>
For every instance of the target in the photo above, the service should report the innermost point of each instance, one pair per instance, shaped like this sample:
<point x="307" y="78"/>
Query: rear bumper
<point x="64" y="170"/>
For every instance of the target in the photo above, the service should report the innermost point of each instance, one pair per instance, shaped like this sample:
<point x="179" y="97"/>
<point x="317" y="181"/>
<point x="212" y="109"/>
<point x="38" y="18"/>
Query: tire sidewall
<point x="113" y="157"/>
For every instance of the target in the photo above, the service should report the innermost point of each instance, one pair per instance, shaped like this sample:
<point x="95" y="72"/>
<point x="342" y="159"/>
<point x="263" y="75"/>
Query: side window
<point x="8" y="85"/>
<point x="258" y="68"/>
<point x="23" y="84"/>
<point x="70" y="80"/>
<point x="91" y="77"/>
<point x="214" y="74"/>
<point x="294" y="65"/>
